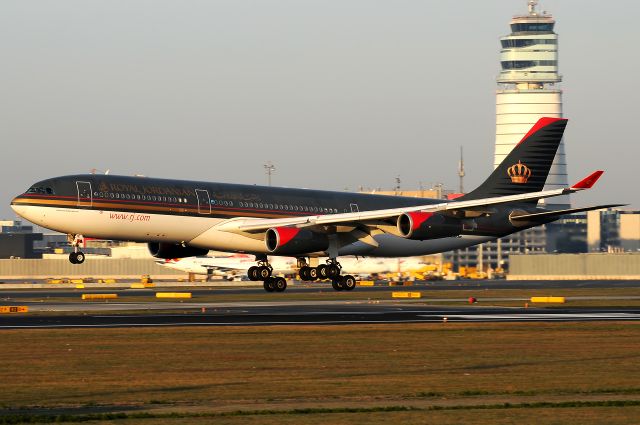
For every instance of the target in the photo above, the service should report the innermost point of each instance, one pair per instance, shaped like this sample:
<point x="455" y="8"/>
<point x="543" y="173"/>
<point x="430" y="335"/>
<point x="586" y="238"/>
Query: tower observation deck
<point x="527" y="89"/>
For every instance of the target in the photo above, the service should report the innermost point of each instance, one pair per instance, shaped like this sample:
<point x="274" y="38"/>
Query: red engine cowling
<point x="294" y="241"/>
<point x="170" y="250"/>
<point x="421" y="226"/>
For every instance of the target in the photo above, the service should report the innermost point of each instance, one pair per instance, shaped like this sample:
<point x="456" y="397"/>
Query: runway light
<point x="444" y="319"/>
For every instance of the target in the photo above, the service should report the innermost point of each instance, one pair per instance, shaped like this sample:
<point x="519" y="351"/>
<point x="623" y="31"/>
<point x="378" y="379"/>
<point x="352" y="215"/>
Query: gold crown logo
<point x="519" y="173"/>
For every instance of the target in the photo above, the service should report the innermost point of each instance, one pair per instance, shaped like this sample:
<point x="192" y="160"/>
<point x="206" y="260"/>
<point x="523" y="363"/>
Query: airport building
<point x="17" y="240"/>
<point x="613" y="230"/>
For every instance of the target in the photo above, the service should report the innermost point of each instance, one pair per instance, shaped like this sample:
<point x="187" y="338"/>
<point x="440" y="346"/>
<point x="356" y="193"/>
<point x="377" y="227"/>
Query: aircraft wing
<point x="250" y="225"/>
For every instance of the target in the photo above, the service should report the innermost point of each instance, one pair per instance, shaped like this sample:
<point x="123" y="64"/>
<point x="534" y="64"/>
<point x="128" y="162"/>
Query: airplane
<point x="180" y="219"/>
<point x="234" y="265"/>
<point x="225" y="266"/>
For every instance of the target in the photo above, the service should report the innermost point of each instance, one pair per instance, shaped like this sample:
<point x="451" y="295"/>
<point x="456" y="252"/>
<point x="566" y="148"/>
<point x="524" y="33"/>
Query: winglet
<point x="589" y="181"/>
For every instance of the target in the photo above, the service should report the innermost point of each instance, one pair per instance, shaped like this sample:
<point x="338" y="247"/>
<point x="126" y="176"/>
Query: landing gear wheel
<point x="253" y="273"/>
<point x="304" y="273"/>
<point x="337" y="285"/>
<point x="348" y="282"/>
<point x="264" y="272"/>
<point x="73" y="258"/>
<point x="280" y="284"/>
<point x="269" y="285"/>
<point x="332" y="271"/>
<point x="313" y="273"/>
<point x="79" y="257"/>
<point x="321" y="270"/>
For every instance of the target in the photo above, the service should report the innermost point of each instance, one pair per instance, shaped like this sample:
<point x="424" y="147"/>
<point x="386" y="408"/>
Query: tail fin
<point x="527" y="166"/>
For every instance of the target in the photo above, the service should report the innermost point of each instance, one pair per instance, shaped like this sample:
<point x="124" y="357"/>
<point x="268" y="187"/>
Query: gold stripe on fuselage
<point x="139" y="207"/>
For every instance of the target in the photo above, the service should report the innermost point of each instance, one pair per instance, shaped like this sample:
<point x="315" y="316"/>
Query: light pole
<point x="269" y="169"/>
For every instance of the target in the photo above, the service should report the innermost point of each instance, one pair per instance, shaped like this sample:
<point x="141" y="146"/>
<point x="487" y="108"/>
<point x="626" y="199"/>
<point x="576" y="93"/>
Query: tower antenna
<point x="461" y="172"/>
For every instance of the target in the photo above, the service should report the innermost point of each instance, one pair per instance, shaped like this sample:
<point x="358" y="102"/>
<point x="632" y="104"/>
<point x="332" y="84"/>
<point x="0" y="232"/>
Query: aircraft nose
<point x="17" y="207"/>
<point x="14" y="202"/>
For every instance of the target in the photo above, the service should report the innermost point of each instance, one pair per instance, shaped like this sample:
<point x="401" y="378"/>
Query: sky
<point x="336" y="94"/>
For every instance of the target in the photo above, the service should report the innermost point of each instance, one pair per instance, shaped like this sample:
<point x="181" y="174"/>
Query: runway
<point x="299" y="287"/>
<point x="311" y="313"/>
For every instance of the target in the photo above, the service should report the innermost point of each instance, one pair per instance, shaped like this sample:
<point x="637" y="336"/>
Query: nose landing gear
<point x="77" y="256"/>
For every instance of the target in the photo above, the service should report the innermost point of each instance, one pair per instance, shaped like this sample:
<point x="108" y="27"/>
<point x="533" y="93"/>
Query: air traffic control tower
<point x="528" y="90"/>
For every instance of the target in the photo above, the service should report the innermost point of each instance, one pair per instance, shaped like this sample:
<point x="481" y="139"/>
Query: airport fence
<point x="98" y="268"/>
<point x="595" y="266"/>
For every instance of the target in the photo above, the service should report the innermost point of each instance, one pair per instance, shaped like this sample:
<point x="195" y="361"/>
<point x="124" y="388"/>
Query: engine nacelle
<point x="170" y="250"/>
<point x="294" y="241"/>
<point x="421" y="226"/>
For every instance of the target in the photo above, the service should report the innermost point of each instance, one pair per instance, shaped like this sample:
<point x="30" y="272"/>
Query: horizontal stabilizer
<point x="546" y="216"/>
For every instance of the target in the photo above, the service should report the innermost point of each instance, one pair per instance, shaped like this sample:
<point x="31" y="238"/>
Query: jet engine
<point x="169" y="250"/>
<point x="421" y="226"/>
<point x="294" y="241"/>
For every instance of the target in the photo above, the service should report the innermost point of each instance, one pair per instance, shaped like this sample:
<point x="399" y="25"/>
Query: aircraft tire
<point x="313" y="273"/>
<point x="337" y="285"/>
<point x="72" y="258"/>
<point x="348" y="282"/>
<point x="304" y="273"/>
<point x="79" y="257"/>
<point x="252" y="273"/>
<point x="269" y="285"/>
<point x="333" y="271"/>
<point x="322" y="271"/>
<point x="280" y="284"/>
<point x="264" y="272"/>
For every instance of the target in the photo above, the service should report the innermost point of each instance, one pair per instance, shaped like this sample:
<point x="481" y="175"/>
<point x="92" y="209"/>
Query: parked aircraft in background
<point x="186" y="218"/>
<point x="235" y="265"/>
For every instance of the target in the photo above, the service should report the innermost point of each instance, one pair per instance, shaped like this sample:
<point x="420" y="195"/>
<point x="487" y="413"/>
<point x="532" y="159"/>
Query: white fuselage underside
<point x="202" y="232"/>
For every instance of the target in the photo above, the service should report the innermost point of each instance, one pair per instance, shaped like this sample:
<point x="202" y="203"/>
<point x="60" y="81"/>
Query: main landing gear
<point x="263" y="272"/>
<point x="331" y="270"/>
<point x="77" y="256"/>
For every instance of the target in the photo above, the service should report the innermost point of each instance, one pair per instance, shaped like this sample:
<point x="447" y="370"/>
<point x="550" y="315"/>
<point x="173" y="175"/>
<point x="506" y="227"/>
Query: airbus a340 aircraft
<point x="186" y="218"/>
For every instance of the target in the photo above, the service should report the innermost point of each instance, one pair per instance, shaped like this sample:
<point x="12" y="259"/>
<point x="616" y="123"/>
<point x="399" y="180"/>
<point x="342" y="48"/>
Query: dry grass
<point x="288" y="367"/>
<point x="583" y="416"/>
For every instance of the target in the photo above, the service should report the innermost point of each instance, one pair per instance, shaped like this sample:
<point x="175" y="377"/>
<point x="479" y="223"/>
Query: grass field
<point x="419" y="373"/>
